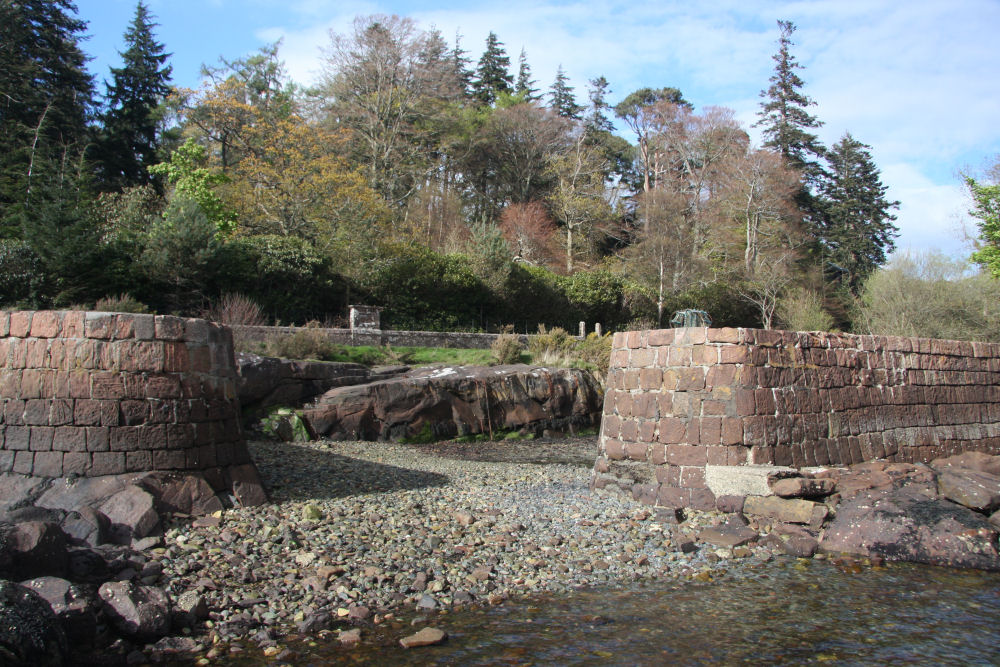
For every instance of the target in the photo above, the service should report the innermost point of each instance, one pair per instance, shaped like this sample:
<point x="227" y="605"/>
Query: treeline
<point x="448" y="189"/>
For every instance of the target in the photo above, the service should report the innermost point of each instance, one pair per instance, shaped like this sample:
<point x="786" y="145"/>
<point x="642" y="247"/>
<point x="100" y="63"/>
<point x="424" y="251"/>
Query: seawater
<point x="781" y="613"/>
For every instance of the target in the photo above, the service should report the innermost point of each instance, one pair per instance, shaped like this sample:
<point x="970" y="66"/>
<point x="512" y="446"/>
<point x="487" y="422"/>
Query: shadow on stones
<point x="298" y="473"/>
<point x="573" y="451"/>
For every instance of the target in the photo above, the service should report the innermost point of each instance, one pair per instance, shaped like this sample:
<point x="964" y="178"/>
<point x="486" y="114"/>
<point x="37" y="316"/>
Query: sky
<point x="916" y="80"/>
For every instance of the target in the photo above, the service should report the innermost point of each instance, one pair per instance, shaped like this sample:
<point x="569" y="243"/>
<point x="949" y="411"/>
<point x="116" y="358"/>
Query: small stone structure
<point x="694" y="416"/>
<point x="94" y="393"/>
<point x="365" y="318"/>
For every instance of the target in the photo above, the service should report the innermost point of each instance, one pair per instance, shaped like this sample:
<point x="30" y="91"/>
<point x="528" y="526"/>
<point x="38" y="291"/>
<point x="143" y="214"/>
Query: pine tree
<point x="596" y="119"/>
<point x="492" y="76"/>
<point x="857" y="228"/>
<point x="460" y="60"/>
<point x="45" y="100"/>
<point x="525" y="85"/>
<point x="561" y="99"/>
<point x="130" y="140"/>
<point x="783" y="116"/>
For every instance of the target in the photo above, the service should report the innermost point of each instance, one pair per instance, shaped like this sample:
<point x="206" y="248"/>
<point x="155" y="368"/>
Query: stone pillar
<point x="598" y="330"/>
<point x="583" y="329"/>
<point x="365" y="317"/>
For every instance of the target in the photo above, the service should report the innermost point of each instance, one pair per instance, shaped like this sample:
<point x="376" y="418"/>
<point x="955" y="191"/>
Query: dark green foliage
<point x="19" y="270"/>
<point x="284" y="275"/>
<point x="45" y="99"/>
<point x="784" y="120"/>
<point x="561" y="98"/>
<point x="181" y="255"/>
<point x="492" y="75"/>
<point x="130" y="138"/>
<point x="525" y="85"/>
<point x="597" y="119"/>
<point x="856" y="229"/>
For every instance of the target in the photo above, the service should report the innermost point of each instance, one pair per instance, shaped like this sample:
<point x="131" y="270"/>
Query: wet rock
<point x="803" y="487"/>
<point x="426" y="637"/>
<point x="30" y="633"/>
<point x="976" y="490"/>
<point x="140" y="612"/>
<point x="132" y="514"/>
<point x="350" y="638"/>
<point x="33" y="549"/>
<point x="800" y="546"/>
<point x="785" y="509"/>
<point x="908" y="524"/>
<point x="70" y="605"/>
<point x="314" y="622"/>
<point x="190" y="607"/>
<point x="733" y="533"/>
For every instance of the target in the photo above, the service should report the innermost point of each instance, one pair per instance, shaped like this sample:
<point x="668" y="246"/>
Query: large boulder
<point x="265" y="382"/>
<point x="70" y="606"/>
<point x="446" y="402"/>
<point x="30" y="633"/>
<point x="33" y="548"/>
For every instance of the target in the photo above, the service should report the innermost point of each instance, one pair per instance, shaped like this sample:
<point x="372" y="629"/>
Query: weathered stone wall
<point x="93" y="393"/>
<point x="694" y="415"/>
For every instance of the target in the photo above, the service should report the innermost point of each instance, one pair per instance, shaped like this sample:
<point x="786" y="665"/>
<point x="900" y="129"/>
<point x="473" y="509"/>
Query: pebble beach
<point x="360" y="532"/>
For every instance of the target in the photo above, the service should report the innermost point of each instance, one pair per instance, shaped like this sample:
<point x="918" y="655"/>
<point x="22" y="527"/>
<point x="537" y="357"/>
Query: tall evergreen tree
<point x="525" y="85"/>
<point x="857" y="229"/>
<point x="561" y="98"/>
<point x="461" y="62"/>
<point x="45" y="100"/>
<point x="492" y="75"/>
<point x="784" y="118"/>
<point x="597" y="120"/>
<point x="130" y="138"/>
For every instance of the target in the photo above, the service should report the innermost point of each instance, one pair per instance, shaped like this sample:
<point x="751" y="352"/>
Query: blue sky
<point x="916" y="80"/>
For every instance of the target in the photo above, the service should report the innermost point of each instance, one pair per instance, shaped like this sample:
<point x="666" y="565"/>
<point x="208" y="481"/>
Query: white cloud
<point x="931" y="216"/>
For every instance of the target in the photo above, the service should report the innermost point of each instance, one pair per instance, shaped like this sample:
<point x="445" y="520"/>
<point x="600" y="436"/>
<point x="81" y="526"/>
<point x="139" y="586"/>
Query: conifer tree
<point x="597" y="120"/>
<point x="461" y="61"/>
<point x="857" y="228"/>
<point x="45" y="100"/>
<point x="561" y="98"/>
<point x="525" y="85"/>
<point x="130" y="140"/>
<point x="784" y="118"/>
<point x="492" y="75"/>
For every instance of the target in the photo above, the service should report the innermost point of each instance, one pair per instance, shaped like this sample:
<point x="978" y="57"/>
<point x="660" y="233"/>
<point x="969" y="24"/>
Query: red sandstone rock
<point x="978" y="491"/>
<point x="785" y="509"/>
<point x="803" y="487"/>
<point x="140" y="612"/>
<point x="132" y="514"/>
<point x="426" y="637"/>
<point x="33" y="548"/>
<point x="451" y="401"/>
<point x="978" y="461"/>
<point x="910" y="524"/>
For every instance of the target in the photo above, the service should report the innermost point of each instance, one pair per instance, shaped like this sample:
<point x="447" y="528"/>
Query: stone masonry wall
<point x="93" y="393"/>
<point x="694" y="415"/>
<point x="381" y="337"/>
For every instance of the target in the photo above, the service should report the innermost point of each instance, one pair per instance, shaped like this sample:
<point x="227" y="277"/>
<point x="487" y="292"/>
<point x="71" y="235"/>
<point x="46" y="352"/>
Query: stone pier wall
<point x="695" y="416"/>
<point x="93" y="393"/>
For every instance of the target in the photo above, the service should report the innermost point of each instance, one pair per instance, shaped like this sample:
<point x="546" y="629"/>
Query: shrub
<point x="506" y="349"/>
<point x="550" y="346"/>
<point x="235" y="308"/>
<point x="122" y="303"/>
<point x="802" y="310"/>
<point x="307" y="343"/>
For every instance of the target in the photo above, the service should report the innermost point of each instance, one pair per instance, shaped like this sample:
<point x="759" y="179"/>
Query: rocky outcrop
<point x="266" y="382"/>
<point x="30" y="633"/>
<point x="441" y="403"/>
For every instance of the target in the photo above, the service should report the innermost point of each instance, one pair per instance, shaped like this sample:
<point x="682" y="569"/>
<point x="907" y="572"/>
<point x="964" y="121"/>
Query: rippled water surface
<point x="780" y="613"/>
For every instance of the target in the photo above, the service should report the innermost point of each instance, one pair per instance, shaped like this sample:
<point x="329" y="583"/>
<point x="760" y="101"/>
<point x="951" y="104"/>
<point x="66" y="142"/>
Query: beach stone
<point x="800" y="546"/>
<point x="137" y="611"/>
<point x="426" y="637"/>
<point x="976" y="490"/>
<point x="978" y="461"/>
<point x="70" y="606"/>
<point x="188" y="494"/>
<point x="246" y="485"/>
<point x="33" y="549"/>
<point x="132" y="514"/>
<point x="87" y="525"/>
<point x="909" y="524"/>
<point x="733" y="533"/>
<point x="350" y="637"/>
<point x="30" y="633"/>
<point x="803" y="487"/>
<point x="788" y="510"/>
